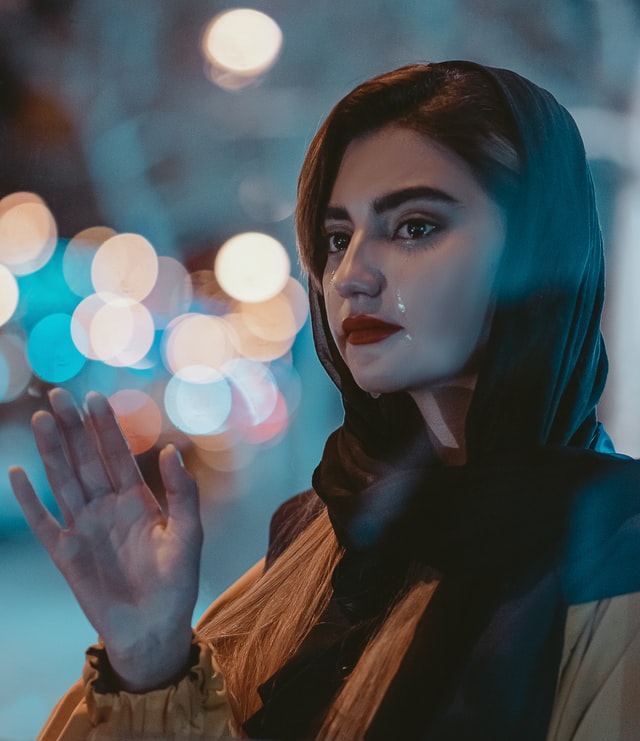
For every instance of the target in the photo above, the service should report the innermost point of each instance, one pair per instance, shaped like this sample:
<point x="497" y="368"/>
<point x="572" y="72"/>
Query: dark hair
<point x="453" y="103"/>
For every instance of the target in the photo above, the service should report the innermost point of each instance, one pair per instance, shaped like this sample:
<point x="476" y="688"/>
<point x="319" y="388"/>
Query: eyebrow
<point x="397" y="198"/>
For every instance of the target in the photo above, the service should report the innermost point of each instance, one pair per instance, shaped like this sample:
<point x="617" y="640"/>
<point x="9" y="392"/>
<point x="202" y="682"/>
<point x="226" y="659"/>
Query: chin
<point x="375" y="388"/>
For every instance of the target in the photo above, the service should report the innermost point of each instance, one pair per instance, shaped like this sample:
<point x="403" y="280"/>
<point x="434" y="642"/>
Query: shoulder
<point x="289" y="520"/>
<point x="602" y="547"/>
<point x="599" y="676"/>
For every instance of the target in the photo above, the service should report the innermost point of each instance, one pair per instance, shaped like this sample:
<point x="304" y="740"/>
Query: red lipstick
<point x="367" y="330"/>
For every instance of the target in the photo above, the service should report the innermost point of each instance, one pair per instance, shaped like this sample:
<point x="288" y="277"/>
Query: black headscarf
<point x="545" y="363"/>
<point x="484" y="659"/>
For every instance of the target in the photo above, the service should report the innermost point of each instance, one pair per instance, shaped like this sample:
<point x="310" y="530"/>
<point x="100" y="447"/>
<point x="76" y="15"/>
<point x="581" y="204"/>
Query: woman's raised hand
<point x="132" y="567"/>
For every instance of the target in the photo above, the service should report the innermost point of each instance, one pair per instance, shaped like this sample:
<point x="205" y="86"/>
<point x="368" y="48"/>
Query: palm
<point x="132" y="567"/>
<point x="143" y="553"/>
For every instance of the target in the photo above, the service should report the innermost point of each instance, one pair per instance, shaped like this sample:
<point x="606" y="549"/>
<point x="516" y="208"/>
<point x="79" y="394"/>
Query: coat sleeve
<point x="598" y="692"/>
<point x="196" y="707"/>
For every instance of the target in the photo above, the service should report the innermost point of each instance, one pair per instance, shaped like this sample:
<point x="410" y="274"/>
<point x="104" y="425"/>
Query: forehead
<point x="394" y="158"/>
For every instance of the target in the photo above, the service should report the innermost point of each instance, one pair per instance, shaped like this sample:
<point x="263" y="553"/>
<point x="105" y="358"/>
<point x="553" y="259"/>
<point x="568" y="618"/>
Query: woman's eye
<point x="338" y="241"/>
<point x="415" y="229"/>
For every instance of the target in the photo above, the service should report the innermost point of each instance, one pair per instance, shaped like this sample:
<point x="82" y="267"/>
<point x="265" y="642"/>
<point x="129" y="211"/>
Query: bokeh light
<point x="9" y="294"/>
<point x="208" y="296"/>
<point x="15" y="371"/>
<point x="260" y="199"/>
<point x="229" y="459"/>
<point x="126" y="265"/>
<point x="28" y="233"/>
<point x="242" y="41"/>
<point x="198" y="400"/>
<point x="252" y="267"/>
<point x="254" y="392"/>
<point x="271" y="428"/>
<point x="139" y="417"/>
<point x="281" y="317"/>
<point x="52" y="353"/>
<point x="82" y="318"/>
<point x="197" y="339"/>
<point x="121" y="333"/>
<point x="251" y="346"/>
<point x="172" y="292"/>
<point x="78" y="257"/>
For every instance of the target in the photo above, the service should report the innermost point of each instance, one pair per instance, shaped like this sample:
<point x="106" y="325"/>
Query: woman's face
<point x="413" y="246"/>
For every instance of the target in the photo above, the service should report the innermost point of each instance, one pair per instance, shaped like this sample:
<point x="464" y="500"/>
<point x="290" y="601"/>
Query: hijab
<point x="507" y="530"/>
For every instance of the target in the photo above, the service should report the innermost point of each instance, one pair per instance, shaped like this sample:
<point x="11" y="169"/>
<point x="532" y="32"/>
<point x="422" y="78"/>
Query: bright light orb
<point x="252" y="267"/>
<point x="28" y="233"/>
<point x="172" y="292"/>
<point x="81" y="320"/>
<point x="9" y="294"/>
<point x="78" y="257"/>
<point x="15" y="371"/>
<point x="281" y="317"/>
<point x="243" y="41"/>
<point x="126" y="265"/>
<point x="255" y="392"/>
<point x="198" y="400"/>
<point x="197" y="339"/>
<point x="253" y="347"/>
<point x="121" y="334"/>
<point x="139" y="417"/>
<point x="52" y="354"/>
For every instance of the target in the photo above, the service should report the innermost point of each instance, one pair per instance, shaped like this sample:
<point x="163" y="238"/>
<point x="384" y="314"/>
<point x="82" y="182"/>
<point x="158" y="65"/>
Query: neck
<point x="444" y="409"/>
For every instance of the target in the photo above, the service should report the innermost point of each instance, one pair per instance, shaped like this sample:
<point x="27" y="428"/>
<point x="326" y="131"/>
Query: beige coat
<point x="598" y="694"/>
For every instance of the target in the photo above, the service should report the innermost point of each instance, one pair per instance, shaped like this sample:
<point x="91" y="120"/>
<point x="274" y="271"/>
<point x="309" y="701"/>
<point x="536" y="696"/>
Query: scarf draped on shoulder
<point x="520" y="531"/>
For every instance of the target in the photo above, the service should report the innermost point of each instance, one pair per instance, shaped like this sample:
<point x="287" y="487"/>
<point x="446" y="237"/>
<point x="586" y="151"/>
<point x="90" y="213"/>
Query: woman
<point x="464" y="565"/>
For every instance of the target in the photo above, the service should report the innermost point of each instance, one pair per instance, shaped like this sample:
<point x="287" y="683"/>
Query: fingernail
<point x="60" y="399"/>
<point x="96" y="402"/>
<point x="44" y="422"/>
<point x="171" y="448"/>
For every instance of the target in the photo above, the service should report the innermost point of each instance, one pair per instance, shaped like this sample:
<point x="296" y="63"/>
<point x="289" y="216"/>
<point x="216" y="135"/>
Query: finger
<point x="81" y="445"/>
<point x="118" y="459"/>
<point x="61" y="477"/>
<point x="40" y="520"/>
<point x="183" y="503"/>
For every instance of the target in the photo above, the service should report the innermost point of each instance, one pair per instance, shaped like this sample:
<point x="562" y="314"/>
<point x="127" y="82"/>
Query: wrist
<point x="154" y="664"/>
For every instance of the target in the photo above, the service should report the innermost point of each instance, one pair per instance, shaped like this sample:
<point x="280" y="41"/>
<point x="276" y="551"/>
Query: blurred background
<point x="148" y="162"/>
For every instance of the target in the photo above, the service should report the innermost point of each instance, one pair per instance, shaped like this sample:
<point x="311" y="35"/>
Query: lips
<point x="367" y="330"/>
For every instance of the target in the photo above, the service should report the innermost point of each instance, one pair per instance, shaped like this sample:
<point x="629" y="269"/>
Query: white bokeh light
<point x="197" y="339"/>
<point x="172" y="292"/>
<point x="81" y="320"/>
<point x="121" y="334"/>
<point x="198" y="400"/>
<point x="252" y="267"/>
<point x="126" y="265"/>
<point x="256" y="389"/>
<point x="9" y="294"/>
<point x="250" y="345"/>
<point x="279" y="318"/>
<point x="243" y="41"/>
<point x="28" y="233"/>
<point x="78" y="256"/>
<point x="15" y="371"/>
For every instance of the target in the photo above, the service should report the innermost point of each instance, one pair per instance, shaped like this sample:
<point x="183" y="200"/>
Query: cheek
<point x="332" y="305"/>
<point x="451" y="298"/>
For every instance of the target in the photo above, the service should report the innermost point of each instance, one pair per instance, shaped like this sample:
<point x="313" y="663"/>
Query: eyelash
<point x="422" y="221"/>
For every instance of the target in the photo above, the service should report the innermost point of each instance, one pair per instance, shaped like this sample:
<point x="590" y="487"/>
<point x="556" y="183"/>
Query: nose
<point x="359" y="271"/>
